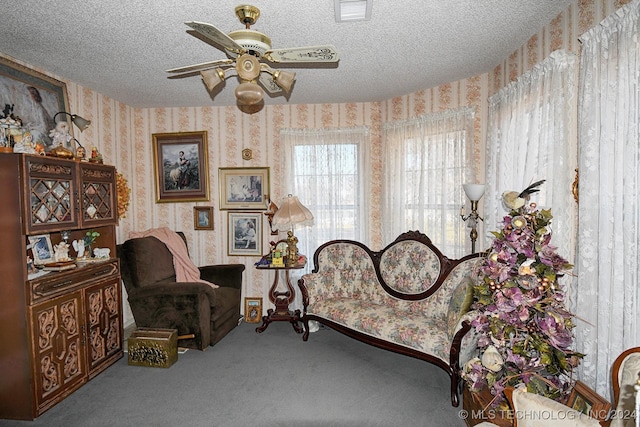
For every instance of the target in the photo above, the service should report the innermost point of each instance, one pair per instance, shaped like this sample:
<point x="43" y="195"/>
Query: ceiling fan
<point x="247" y="51"/>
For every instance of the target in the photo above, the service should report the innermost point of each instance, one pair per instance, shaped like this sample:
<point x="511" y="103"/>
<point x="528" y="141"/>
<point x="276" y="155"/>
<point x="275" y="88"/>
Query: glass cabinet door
<point x="50" y="203"/>
<point x="98" y="195"/>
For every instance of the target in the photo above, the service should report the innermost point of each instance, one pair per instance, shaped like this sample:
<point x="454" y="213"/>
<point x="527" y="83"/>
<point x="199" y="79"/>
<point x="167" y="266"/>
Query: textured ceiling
<point x="122" y="48"/>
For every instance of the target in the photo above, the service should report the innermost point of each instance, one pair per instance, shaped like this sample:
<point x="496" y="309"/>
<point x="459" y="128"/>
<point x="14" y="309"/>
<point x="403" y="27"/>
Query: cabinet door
<point x="59" y="354"/>
<point x="104" y="324"/>
<point x="50" y="200"/>
<point x="98" y="195"/>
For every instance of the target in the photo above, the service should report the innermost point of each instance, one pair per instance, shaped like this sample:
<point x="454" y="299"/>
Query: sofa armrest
<point x="227" y="275"/>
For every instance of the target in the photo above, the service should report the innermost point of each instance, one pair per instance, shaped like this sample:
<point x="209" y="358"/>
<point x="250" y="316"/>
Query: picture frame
<point x="181" y="166"/>
<point x="36" y="98"/>
<point x="585" y="400"/>
<point x="244" y="188"/>
<point x="252" y="310"/>
<point x="203" y="217"/>
<point x="245" y="233"/>
<point x="41" y="249"/>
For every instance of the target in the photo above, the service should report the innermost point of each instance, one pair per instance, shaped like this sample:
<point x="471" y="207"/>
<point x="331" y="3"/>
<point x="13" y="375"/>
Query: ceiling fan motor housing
<point x="254" y="42"/>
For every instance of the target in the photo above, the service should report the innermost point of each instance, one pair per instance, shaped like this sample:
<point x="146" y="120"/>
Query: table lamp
<point x="291" y="213"/>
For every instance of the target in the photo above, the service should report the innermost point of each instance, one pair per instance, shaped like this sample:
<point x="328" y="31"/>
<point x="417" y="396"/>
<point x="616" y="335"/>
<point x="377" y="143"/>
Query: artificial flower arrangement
<point x="524" y="329"/>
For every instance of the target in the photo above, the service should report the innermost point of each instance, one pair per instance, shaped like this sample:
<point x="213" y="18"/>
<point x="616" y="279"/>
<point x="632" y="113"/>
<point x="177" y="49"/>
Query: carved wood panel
<point x="58" y="342"/>
<point x="103" y="322"/>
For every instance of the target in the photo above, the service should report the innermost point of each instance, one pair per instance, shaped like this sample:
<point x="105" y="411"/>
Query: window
<point x="426" y="161"/>
<point x="325" y="168"/>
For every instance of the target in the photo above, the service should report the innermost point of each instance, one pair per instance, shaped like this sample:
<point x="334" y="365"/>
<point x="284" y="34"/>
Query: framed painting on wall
<point x="181" y="168"/>
<point x="245" y="233"/>
<point x="203" y="218"/>
<point x="244" y="188"/>
<point x="33" y="97"/>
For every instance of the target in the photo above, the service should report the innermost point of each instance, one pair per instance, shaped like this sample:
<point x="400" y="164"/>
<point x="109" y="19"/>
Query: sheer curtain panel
<point x="425" y="163"/>
<point x="326" y="169"/>
<point x="532" y="136"/>
<point x="609" y="211"/>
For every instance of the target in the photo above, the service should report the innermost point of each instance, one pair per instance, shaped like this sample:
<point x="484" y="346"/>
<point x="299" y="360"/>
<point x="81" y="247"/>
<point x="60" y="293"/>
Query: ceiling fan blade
<point x="203" y="66"/>
<point x="326" y="53"/>
<point x="215" y="35"/>
<point x="266" y="80"/>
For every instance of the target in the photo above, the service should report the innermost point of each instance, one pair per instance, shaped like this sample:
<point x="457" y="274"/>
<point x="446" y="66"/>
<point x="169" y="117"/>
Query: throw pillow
<point x="460" y="303"/>
<point x="534" y="410"/>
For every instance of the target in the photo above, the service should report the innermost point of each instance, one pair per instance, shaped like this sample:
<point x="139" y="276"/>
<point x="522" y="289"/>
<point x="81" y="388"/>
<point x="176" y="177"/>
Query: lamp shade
<point x="80" y="122"/>
<point x="291" y="212"/>
<point x="473" y="191"/>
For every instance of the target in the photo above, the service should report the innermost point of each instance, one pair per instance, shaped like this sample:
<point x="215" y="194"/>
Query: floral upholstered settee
<point x="408" y="298"/>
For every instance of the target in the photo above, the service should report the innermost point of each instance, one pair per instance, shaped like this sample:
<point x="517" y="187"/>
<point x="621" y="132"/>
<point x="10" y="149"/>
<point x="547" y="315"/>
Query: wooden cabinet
<point x="57" y="330"/>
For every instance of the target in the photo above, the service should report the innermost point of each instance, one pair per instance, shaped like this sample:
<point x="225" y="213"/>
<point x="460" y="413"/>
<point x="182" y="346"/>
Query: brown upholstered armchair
<point x="158" y="301"/>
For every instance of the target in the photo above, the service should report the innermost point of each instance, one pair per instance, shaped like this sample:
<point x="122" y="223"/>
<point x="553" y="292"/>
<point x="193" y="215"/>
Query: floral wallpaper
<point x="123" y="135"/>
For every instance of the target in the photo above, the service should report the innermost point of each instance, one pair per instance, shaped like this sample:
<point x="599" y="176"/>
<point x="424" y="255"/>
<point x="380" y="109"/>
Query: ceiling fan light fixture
<point x="353" y="10"/>
<point x="212" y="78"/>
<point x="248" y="93"/>
<point x="248" y="67"/>
<point x="284" y="79"/>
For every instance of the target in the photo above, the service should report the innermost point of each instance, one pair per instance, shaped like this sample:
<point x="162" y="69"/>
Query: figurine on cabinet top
<point x="26" y="145"/>
<point x="60" y="135"/>
<point x="96" y="157"/>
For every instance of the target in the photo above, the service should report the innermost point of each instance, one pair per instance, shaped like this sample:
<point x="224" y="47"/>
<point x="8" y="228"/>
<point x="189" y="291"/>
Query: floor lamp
<point x="474" y="193"/>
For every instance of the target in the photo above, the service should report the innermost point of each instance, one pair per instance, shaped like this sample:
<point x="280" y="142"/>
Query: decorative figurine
<point x="96" y="157"/>
<point x="78" y="246"/>
<point x="26" y="145"/>
<point x="61" y="252"/>
<point x="60" y="135"/>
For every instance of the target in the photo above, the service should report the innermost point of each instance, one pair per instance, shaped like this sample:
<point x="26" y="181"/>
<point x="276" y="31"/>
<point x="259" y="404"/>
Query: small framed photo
<point x="252" y="310"/>
<point x="245" y="233"/>
<point x="181" y="164"/>
<point x="203" y="217"/>
<point x="244" y="188"/>
<point x="584" y="399"/>
<point x="41" y="249"/>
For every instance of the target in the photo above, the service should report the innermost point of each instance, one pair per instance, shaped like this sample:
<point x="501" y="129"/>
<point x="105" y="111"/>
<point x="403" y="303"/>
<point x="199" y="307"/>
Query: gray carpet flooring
<point x="268" y="379"/>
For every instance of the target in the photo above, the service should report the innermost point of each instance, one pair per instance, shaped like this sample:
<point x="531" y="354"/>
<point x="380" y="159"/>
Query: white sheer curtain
<point x="425" y="162"/>
<point x="532" y="136"/>
<point x="326" y="169"/>
<point x="609" y="210"/>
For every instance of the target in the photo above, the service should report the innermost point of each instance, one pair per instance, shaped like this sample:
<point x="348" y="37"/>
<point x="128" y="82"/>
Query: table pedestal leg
<point x="281" y="301"/>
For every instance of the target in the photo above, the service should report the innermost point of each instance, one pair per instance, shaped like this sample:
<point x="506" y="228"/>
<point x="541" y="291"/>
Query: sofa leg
<point x="305" y="323"/>
<point x="455" y="399"/>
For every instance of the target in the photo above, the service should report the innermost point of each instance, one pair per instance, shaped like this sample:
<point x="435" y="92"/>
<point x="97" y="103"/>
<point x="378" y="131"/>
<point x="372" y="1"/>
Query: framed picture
<point x="203" y="217"/>
<point x="245" y="233"/>
<point x="244" y="188"/>
<point x="584" y="399"/>
<point x="181" y="166"/>
<point x="253" y="310"/>
<point x="41" y="249"/>
<point x="35" y="99"/>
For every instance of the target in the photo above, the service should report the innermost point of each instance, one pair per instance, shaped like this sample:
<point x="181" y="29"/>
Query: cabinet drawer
<point x="57" y="283"/>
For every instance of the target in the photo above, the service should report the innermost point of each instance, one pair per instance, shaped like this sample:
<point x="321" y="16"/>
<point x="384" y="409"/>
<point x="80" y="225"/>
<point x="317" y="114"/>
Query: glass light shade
<point x="474" y="191"/>
<point x="212" y="78"/>
<point x="284" y="79"/>
<point x="249" y="93"/>
<point x="291" y="212"/>
<point x="80" y="122"/>
<point x="248" y="67"/>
